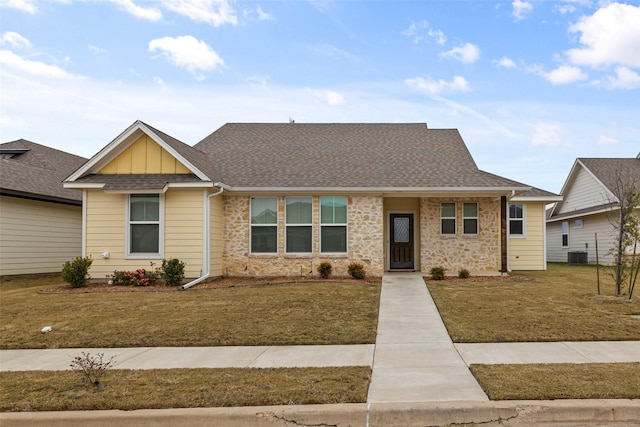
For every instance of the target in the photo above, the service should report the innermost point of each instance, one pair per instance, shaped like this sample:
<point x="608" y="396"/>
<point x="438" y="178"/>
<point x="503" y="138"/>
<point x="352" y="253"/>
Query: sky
<point x="530" y="85"/>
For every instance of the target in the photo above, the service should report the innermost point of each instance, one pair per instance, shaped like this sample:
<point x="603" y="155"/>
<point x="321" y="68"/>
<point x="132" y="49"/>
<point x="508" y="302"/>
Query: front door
<point x="401" y="247"/>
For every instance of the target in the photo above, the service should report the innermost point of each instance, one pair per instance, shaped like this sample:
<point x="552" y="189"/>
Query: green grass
<point x="182" y="388"/>
<point x="560" y="304"/>
<point x="559" y="381"/>
<point x="277" y="314"/>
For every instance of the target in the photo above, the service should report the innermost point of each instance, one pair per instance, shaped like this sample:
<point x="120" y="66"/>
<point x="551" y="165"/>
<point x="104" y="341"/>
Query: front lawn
<point x="560" y="304"/>
<point x="312" y="312"/>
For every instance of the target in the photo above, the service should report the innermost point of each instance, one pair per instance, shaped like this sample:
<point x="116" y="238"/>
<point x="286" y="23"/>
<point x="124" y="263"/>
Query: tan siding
<point x="105" y="232"/>
<point x="184" y="231"/>
<point x="528" y="253"/>
<point x="37" y="237"/>
<point x="144" y="156"/>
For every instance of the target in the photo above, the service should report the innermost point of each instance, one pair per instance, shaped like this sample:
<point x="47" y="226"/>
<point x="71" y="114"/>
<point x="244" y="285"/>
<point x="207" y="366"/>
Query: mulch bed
<point x="217" y="283"/>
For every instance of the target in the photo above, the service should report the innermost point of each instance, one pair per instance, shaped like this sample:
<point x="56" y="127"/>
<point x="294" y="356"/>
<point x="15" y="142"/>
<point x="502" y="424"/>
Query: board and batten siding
<point x="585" y="192"/>
<point x="38" y="237"/>
<point x="527" y="253"/>
<point x="582" y="239"/>
<point x="144" y="156"/>
<point x="106" y="225"/>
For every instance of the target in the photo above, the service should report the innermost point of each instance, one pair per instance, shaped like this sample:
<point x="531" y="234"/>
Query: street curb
<point x="501" y="413"/>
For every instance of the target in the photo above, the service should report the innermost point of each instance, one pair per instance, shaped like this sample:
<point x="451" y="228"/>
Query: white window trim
<point x="477" y="218"/>
<point x="127" y="232"/>
<point x="251" y="225"/>
<point x="578" y="223"/>
<point x="345" y="225"/>
<point x="523" y="219"/>
<point x="568" y="245"/>
<point x="286" y="225"/>
<point x="454" y="217"/>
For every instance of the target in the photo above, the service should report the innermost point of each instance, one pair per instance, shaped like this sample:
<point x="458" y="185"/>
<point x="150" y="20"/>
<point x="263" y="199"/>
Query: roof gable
<point x="32" y="170"/>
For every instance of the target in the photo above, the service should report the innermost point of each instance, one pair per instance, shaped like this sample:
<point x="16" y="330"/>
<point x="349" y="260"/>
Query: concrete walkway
<point x="413" y="359"/>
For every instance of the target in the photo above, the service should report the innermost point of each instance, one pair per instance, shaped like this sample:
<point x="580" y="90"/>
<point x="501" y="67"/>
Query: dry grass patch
<point x="559" y="381"/>
<point x="182" y="388"/>
<point x="315" y="312"/>
<point x="560" y="304"/>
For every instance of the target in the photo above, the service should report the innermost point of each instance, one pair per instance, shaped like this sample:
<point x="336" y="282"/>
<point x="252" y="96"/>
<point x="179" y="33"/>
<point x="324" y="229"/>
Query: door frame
<point x="416" y="253"/>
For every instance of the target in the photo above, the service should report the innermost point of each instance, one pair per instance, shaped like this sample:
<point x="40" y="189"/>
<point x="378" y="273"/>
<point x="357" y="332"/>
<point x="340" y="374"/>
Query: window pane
<point x="470" y="210"/>
<point x="299" y="210"/>
<point x="449" y="226"/>
<point x="515" y="211"/>
<point x="264" y="211"/>
<point x="470" y="226"/>
<point x="333" y="210"/>
<point x="401" y="230"/>
<point x="333" y="239"/>
<point x="264" y="239"/>
<point x="565" y="228"/>
<point x="448" y="210"/>
<point x="515" y="227"/>
<point x="145" y="238"/>
<point x="565" y="240"/>
<point x="298" y="239"/>
<point x="144" y="207"/>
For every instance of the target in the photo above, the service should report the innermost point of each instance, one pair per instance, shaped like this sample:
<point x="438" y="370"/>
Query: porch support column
<point x="503" y="234"/>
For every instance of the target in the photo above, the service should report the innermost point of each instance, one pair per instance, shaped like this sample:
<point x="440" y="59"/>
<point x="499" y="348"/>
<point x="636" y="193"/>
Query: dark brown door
<point x="401" y="242"/>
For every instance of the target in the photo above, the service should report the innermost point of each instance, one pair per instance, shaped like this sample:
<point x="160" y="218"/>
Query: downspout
<point x="207" y="244"/>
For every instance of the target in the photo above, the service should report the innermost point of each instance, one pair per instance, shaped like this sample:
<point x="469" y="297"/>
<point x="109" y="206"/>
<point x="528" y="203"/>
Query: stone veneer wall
<point x="365" y="241"/>
<point x="477" y="253"/>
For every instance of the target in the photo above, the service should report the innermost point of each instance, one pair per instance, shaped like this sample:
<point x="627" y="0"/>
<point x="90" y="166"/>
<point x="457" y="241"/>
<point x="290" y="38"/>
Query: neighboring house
<point x="589" y="205"/>
<point x="278" y="199"/>
<point x="40" y="221"/>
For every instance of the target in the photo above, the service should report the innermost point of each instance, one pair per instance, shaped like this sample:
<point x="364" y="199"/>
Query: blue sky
<point x="530" y="85"/>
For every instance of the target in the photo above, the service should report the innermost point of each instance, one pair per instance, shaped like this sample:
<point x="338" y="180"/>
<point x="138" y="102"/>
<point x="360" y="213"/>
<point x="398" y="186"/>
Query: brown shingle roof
<point x="610" y="170"/>
<point x="350" y="155"/>
<point x="115" y="182"/>
<point x="38" y="172"/>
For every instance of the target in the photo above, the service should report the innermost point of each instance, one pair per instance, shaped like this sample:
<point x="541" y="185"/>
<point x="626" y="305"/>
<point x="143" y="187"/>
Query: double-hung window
<point x="299" y="224"/>
<point x="264" y="225"/>
<point x="333" y="224"/>
<point x="470" y="218"/>
<point x="516" y="220"/>
<point x="145" y="224"/>
<point x="448" y="218"/>
<point x="565" y="234"/>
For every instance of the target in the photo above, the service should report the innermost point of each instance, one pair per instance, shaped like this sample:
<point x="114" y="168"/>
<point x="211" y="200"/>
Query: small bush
<point x="325" y="269"/>
<point x="76" y="272"/>
<point x="356" y="270"/>
<point x="140" y="277"/>
<point x="464" y="274"/>
<point x="91" y="367"/>
<point x="437" y="273"/>
<point x="172" y="271"/>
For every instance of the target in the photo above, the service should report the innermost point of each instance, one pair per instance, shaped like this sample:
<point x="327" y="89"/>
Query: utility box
<point x="578" y="257"/>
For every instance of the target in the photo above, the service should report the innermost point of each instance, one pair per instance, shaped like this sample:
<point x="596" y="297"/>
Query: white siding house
<point x="588" y="210"/>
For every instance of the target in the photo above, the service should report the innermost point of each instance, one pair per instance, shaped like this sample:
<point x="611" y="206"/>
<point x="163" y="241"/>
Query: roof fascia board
<point x="566" y="184"/>
<point x="537" y="199"/>
<point x="570" y="215"/>
<point x="83" y="185"/>
<point x="121" y="143"/>
<point x="40" y="198"/>
<point x="491" y="191"/>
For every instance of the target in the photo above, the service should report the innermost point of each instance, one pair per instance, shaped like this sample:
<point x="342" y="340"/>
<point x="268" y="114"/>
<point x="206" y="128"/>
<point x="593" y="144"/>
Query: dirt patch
<point x="217" y="283"/>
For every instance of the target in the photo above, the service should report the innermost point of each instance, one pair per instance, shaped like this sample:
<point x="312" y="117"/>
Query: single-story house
<point x="588" y="208"/>
<point x="40" y="221"/>
<point x="266" y="199"/>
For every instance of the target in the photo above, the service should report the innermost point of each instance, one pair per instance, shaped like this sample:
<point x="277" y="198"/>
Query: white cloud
<point x="467" y="53"/>
<point x="258" y="80"/>
<point x="521" y="9"/>
<point x="547" y="134"/>
<point x="187" y="52"/>
<point x="21" y="5"/>
<point x="625" y="78"/>
<point x="606" y="140"/>
<point x="96" y="50"/>
<point x="565" y="74"/>
<point x="434" y="87"/>
<point x="438" y="35"/>
<point x="329" y="97"/>
<point x="262" y="15"/>
<point x="610" y="36"/>
<point x="160" y="82"/>
<point x="213" y="12"/>
<point x="148" y="13"/>
<point x="34" y="68"/>
<point x="504" y="62"/>
<point x="563" y="9"/>
<point x="417" y="32"/>
<point x="14" y="40"/>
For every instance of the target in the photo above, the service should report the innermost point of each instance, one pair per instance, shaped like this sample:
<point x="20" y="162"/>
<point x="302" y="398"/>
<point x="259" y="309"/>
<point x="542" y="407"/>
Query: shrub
<point x="437" y="273"/>
<point x="76" y="272"/>
<point x="91" y="367"/>
<point x="325" y="269"/>
<point x="464" y="274"/>
<point x="172" y="271"/>
<point x="140" y="277"/>
<point x="356" y="270"/>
